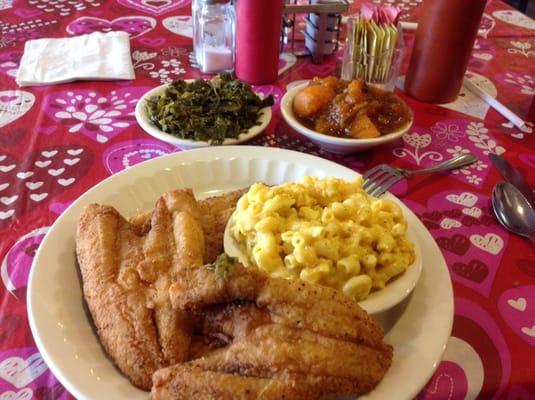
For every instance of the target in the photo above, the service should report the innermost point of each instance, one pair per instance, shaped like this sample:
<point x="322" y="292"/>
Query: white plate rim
<point x="440" y="317"/>
<point x="144" y="122"/>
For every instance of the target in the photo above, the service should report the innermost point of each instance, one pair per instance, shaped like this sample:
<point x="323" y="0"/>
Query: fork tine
<point x="381" y="189"/>
<point x="374" y="181"/>
<point x="378" y="180"/>
<point x="374" y="175"/>
<point x="372" y="171"/>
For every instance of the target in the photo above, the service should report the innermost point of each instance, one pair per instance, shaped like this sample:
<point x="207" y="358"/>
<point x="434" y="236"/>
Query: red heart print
<point x="449" y="382"/>
<point x="64" y="8"/>
<point x="430" y="225"/>
<point x="8" y="326"/>
<point x="133" y="25"/>
<point x="475" y="270"/>
<point x="8" y="98"/>
<point x="155" y="3"/>
<point x="154" y="7"/>
<point x="526" y="266"/>
<point x="12" y="137"/>
<point x="31" y="181"/>
<point x="45" y="393"/>
<point x="466" y="243"/>
<point x="433" y="216"/>
<point x="455" y="213"/>
<point x="457" y="244"/>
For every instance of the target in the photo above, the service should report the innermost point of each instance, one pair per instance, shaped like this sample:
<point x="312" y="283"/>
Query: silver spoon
<point x="513" y="210"/>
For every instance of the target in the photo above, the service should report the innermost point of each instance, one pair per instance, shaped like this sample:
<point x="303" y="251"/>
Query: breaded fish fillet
<point x="127" y="268"/>
<point x="276" y="330"/>
<point x="216" y="331"/>
<point x="189" y="381"/>
<point x="292" y="302"/>
<point x="215" y="211"/>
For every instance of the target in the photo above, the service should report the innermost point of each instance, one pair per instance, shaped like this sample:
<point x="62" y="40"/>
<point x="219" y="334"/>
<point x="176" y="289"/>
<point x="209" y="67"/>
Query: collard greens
<point x="210" y="111"/>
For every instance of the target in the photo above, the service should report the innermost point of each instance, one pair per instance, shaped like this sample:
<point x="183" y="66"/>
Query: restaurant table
<point x="58" y="141"/>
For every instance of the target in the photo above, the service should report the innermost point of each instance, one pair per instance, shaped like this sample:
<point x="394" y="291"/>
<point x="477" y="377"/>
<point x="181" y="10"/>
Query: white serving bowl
<point x="331" y="143"/>
<point x="143" y="120"/>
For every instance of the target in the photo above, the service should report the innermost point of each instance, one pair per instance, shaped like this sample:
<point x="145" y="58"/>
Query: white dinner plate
<point x="142" y="118"/>
<point x="418" y="327"/>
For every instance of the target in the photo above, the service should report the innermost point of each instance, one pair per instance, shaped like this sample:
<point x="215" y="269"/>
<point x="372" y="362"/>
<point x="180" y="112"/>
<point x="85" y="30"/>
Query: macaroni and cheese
<point x="324" y="231"/>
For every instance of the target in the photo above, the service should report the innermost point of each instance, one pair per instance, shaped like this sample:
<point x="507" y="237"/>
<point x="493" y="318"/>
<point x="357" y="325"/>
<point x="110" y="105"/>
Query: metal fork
<point x="382" y="177"/>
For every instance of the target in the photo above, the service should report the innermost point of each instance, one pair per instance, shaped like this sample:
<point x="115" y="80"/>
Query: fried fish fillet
<point x="205" y="332"/>
<point x="275" y="361"/>
<point x="292" y="302"/>
<point x="286" y="339"/>
<point x="127" y="269"/>
<point x="188" y="381"/>
<point x="214" y="213"/>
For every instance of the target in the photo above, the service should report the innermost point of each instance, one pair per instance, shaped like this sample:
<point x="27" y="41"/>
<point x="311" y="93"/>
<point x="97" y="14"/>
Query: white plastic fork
<point x="383" y="176"/>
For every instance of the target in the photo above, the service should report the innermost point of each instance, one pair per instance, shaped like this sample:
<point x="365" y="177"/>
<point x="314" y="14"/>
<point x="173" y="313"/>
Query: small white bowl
<point x="331" y="143"/>
<point x="143" y="120"/>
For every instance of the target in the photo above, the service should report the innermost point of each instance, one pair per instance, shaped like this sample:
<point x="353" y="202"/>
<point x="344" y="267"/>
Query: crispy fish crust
<point x="190" y="331"/>
<point x="127" y="269"/>
<point x="276" y="330"/>
<point x="320" y="309"/>
<point x="189" y="381"/>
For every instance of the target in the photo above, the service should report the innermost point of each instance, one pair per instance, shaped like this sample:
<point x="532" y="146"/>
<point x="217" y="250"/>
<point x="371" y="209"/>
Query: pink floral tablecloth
<point x="58" y="141"/>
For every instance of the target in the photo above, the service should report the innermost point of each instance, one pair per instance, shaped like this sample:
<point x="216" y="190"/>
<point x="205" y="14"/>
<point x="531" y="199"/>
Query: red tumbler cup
<point x="258" y="30"/>
<point x="444" y="41"/>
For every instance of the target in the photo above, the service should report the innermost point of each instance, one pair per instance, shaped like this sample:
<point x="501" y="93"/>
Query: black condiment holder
<point x="323" y="36"/>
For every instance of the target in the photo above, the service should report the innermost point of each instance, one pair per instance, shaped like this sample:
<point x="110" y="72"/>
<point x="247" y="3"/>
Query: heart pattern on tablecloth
<point x="16" y="265"/>
<point x="64" y="8"/>
<point x="474" y="250"/>
<point x="14" y="104"/>
<point x="126" y="154"/>
<point x="9" y="62"/>
<point x="23" y="394"/>
<point x="523" y="83"/>
<point x="447" y="139"/>
<point x="23" y="368"/>
<point x="515" y="18"/>
<point x="26" y="30"/>
<point x="9" y="323"/>
<point x="133" y="25"/>
<point x="99" y="116"/>
<point x="486" y="24"/>
<point x="54" y="392"/>
<point x="179" y="25"/>
<point x="518" y="392"/>
<point x="6" y="4"/>
<point x="21" y="371"/>
<point x="527" y="266"/>
<point x="30" y="181"/>
<point x="482" y="53"/>
<point x="449" y="382"/>
<point x="517" y="308"/>
<point x="155" y="7"/>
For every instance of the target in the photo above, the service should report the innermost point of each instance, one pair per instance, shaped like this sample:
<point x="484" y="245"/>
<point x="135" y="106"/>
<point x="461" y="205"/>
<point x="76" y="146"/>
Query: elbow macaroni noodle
<point x="324" y="231"/>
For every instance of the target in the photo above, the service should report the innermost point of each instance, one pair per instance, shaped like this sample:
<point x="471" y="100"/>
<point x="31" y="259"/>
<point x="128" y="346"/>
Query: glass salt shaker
<point x="214" y="35"/>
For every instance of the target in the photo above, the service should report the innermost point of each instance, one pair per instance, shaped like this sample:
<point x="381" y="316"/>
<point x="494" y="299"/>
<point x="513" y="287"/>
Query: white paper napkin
<point x="94" y="56"/>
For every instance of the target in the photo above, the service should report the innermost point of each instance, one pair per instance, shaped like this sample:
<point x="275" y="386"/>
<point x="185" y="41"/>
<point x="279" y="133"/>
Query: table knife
<point x="513" y="176"/>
